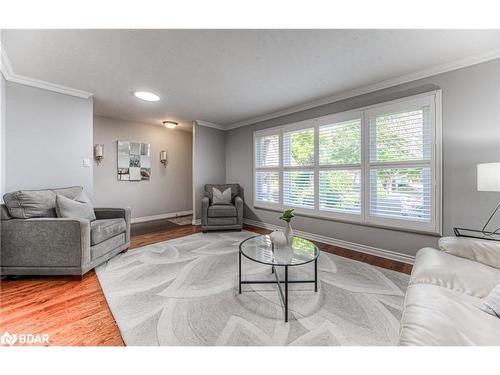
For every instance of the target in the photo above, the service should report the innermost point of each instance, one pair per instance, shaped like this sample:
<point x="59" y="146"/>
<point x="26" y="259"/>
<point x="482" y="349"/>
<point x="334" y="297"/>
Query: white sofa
<point x="446" y="289"/>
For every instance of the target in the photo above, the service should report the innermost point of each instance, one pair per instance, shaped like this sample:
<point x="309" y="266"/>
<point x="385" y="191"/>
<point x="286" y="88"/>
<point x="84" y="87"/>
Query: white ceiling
<point x="229" y="76"/>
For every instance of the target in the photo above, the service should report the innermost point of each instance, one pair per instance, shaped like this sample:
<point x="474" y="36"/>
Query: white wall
<point x="47" y="136"/>
<point x="168" y="191"/>
<point x="471" y="135"/>
<point x="209" y="161"/>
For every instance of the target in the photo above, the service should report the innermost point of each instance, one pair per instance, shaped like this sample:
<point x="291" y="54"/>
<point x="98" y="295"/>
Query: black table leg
<point x="316" y="275"/>
<point x="286" y="294"/>
<point x="239" y="271"/>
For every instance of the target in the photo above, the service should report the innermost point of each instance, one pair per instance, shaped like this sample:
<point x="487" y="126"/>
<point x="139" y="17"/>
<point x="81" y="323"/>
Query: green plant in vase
<point x="287" y="216"/>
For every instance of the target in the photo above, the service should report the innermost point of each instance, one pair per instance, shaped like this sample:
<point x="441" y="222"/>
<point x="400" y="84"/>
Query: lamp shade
<point x="488" y="177"/>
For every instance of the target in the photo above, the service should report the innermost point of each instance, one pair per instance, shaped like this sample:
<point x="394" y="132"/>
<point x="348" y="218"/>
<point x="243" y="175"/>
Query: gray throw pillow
<point x="491" y="304"/>
<point x="219" y="197"/>
<point x="79" y="208"/>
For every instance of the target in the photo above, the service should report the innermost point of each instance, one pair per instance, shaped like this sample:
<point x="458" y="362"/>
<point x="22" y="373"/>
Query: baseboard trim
<point x="196" y="222"/>
<point x="168" y="215"/>
<point x="383" y="253"/>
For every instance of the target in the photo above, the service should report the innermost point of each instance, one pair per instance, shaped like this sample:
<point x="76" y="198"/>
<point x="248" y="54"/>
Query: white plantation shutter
<point x="267" y="172"/>
<point x="340" y="190"/>
<point x="400" y="154"/>
<point x="298" y="148"/>
<point x="267" y="186"/>
<point x="340" y="143"/>
<point x="298" y="188"/>
<point x="267" y="151"/>
<point x="401" y="136"/>
<point x="401" y="193"/>
<point x="379" y="165"/>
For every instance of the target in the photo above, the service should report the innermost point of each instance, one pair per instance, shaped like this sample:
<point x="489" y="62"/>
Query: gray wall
<point x="170" y="188"/>
<point x="471" y="135"/>
<point x="47" y="136"/>
<point x="209" y="161"/>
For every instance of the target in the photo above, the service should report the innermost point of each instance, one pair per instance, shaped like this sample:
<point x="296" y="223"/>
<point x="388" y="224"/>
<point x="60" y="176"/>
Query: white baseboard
<point x="383" y="253"/>
<point x="160" y="216"/>
<point x="196" y="222"/>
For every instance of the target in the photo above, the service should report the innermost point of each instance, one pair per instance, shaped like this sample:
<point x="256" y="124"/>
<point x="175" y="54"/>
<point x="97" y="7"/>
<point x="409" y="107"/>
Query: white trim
<point x="196" y="222"/>
<point x="366" y="249"/>
<point x="160" y="216"/>
<point x="210" y="125"/>
<point x="443" y="68"/>
<point x="10" y="76"/>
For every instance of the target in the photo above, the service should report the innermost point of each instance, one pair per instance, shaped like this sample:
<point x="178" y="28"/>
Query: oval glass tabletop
<point x="260" y="249"/>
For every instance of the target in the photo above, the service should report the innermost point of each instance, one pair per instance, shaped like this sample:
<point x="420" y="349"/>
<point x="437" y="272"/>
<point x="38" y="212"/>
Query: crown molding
<point x="439" y="69"/>
<point x="9" y="75"/>
<point x="210" y="125"/>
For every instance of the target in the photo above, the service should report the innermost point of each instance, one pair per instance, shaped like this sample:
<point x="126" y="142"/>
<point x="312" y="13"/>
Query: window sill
<point x="354" y="222"/>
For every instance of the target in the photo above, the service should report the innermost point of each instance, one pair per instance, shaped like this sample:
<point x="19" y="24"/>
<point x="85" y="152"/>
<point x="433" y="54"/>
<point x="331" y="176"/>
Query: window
<point x="378" y="165"/>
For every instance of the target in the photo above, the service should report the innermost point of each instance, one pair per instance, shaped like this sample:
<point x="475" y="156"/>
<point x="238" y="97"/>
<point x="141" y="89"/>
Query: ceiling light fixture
<point x="145" y="95"/>
<point x="170" y="124"/>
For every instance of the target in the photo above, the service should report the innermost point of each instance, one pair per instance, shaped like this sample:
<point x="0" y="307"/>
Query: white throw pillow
<point x="221" y="198"/>
<point x="482" y="251"/>
<point x="491" y="304"/>
<point x="79" y="208"/>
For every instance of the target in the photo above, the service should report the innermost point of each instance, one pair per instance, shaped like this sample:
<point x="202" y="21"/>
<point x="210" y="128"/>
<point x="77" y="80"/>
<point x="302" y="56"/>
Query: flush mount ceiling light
<point x="170" y="124"/>
<point x="145" y="95"/>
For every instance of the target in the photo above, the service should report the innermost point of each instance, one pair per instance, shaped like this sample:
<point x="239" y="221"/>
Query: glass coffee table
<point x="260" y="249"/>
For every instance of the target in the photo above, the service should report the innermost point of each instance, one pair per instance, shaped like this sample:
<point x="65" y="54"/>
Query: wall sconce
<point x="98" y="153"/>
<point x="163" y="158"/>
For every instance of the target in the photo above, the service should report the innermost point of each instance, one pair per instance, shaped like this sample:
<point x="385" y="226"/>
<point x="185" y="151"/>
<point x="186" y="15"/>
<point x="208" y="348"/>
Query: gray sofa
<point x="222" y="216"/>
<point x="34" y="241"/>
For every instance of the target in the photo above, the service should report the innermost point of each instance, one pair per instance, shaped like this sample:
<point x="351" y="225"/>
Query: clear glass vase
<point x="288" y="234"/>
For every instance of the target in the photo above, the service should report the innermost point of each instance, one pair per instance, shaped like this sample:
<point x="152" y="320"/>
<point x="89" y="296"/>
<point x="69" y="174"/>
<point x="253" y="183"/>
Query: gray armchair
<point x="61" y="246"/>
<point x="222" y="216"/>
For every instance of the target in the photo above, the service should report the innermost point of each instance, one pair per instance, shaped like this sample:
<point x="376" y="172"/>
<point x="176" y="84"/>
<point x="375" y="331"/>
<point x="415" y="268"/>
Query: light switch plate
<point x="86" y="162"/>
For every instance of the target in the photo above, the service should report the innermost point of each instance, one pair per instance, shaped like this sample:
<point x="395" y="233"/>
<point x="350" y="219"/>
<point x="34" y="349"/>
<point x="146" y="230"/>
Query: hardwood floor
<point x="75" y="312"/>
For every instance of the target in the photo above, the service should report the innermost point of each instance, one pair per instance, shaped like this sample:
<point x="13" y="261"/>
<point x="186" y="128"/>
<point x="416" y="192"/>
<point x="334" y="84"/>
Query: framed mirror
<point x="134" y="161"/>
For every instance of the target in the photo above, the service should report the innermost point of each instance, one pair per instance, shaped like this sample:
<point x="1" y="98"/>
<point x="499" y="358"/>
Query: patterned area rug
<point x="185" y="292"/>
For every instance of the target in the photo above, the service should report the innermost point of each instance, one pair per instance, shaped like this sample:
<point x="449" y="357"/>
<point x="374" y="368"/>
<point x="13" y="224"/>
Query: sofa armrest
<point x="482" y="251"/>
<point x="115" y="213"/>
<point x="45" y="242"/>
<point x="238" y="202"/>
<point x="205" y="202"/>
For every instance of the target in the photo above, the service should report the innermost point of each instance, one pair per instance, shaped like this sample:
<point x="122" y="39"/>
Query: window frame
<point x="432" y="98"/>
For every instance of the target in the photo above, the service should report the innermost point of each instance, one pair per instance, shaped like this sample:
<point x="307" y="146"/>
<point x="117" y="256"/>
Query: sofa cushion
<point x="459" y="274"/>
<point x="222" y="221"/>
<point x="222" y="210"/>
<point x="25" y="204"/>
<point x="100" y="250"/>
<point x="80" y="207"/>
<point x="101" y="230"/>
<point x="482" y="251"/>
<point x="434" y="315"/>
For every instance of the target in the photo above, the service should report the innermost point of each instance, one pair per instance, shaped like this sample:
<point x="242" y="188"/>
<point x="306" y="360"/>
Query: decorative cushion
<point x="221" y="197"/>
<point x="222" y="210"/>
<point x="235" y="190"/>
<point x="491" y="304"/>
<point x="101" y="230"/>
<point x="25" y="204"/>
<point x="80" y="207"/>
<point x="482" y="251"/>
